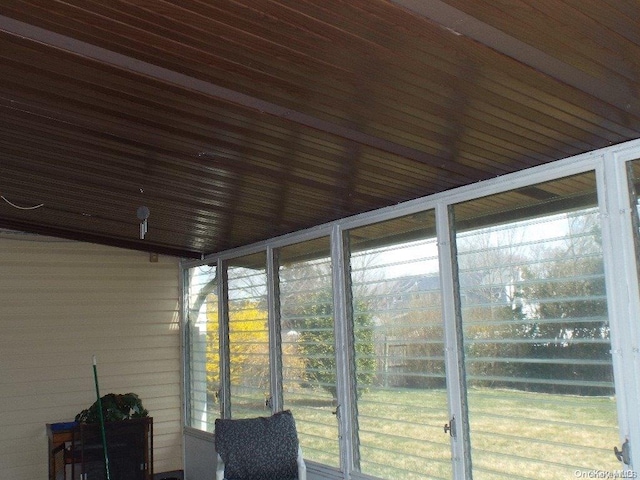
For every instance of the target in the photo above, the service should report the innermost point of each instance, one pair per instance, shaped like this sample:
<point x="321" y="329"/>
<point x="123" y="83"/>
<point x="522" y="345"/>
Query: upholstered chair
<point x="260" y="448"/>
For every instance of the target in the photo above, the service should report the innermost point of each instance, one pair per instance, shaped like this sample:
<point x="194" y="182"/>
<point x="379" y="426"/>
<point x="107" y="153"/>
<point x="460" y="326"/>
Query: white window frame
<point x="621" y="277"/>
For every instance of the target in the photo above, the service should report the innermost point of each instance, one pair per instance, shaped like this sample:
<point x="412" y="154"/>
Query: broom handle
<point x="102" y="430"/>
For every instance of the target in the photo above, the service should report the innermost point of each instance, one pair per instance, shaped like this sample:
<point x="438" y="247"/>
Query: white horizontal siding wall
<point x="61" y="302"/>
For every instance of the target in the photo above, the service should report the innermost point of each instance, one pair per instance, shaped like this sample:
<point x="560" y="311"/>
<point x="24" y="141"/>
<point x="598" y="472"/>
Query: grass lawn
<point x="534" y="435"/>
<point x="513" y="434"/>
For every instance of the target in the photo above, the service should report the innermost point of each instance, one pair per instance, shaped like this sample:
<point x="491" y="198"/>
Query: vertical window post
<point x="223" y="325"/>
<point x="344" y="352"/>
<point x="275" y="339"/>
<point x="454" y="353"/>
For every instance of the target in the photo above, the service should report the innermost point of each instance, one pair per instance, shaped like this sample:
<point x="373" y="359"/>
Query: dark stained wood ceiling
<point x="236" y="121"/>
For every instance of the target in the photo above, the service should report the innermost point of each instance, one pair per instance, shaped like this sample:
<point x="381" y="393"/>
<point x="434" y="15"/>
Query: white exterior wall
<point x="61" y="302"/>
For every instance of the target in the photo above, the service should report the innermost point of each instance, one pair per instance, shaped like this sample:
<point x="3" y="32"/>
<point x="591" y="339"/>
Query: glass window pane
<point x="539" y="371"/>
<point x="308" y="347"/>
<point x="248" y="336"/>
<point x="202" y="328"/>
<point x="633" y="171"/>
<point x="399" y="349"/>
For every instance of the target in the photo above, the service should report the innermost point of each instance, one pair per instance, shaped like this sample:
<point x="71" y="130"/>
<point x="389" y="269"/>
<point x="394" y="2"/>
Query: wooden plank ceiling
<point x="236" y="121"/>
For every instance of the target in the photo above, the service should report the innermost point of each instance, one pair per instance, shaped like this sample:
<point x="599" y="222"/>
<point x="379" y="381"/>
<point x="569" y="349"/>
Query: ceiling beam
<point x="460" y="23"/>
<point x="165" y="75"/>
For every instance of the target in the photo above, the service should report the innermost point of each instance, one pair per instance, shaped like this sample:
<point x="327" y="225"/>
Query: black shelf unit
<point x="129" y="448"/>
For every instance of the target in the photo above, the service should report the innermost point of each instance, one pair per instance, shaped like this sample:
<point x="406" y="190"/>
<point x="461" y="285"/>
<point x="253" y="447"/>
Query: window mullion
<point x="275" y="338"/>
<point x="344" y="353"/>
<point x="456" y="387"/>
<point x="223" y="325"/>
<point x="186" y="347"/>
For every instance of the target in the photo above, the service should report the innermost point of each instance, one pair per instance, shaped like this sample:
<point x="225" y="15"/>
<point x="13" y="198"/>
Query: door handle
<point x="450" y="427"/>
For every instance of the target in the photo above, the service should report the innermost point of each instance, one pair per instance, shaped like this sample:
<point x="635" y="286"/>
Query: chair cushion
<point x="258" y="448"/>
